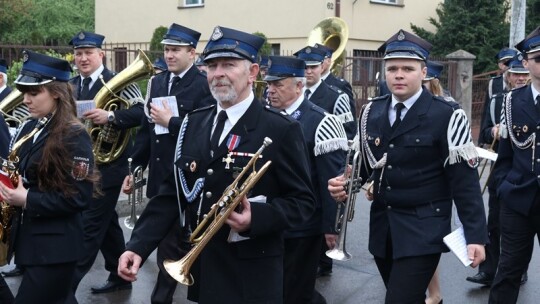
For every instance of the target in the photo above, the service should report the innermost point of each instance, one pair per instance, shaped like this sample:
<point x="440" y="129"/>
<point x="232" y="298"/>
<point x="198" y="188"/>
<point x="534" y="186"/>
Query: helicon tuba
<point x="216" y="217"/>
<point x="332" y="32"/>
<point x="109" y="142"/>
<point x="10" y="103"/>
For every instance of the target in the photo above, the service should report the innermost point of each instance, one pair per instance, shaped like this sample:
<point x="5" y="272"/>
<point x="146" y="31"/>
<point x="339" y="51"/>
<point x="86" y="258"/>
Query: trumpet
<point x="136" y="196"/>
<point x="345" y="211"/>
<point x="219" y="212"/>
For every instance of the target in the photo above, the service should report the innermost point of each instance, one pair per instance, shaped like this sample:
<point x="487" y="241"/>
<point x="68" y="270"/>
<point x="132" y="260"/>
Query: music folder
<point x="4" y="179"/>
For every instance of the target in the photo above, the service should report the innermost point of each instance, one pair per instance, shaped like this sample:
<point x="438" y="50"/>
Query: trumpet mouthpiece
<point x="267" y="141"/>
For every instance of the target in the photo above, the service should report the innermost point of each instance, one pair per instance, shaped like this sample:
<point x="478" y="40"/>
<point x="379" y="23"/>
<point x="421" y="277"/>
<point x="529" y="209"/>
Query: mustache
<point x="221" y="82"/>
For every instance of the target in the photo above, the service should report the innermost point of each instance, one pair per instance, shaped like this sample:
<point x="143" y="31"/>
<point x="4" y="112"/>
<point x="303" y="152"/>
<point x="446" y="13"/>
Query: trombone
<point x="345" y="211"/>
<point x="218" y="214"/>
<point x="136" y="196"/>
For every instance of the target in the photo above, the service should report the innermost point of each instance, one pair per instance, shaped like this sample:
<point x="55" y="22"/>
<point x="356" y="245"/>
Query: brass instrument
<point x="345" y="212"/>
<point x="219" y="212"/>
<point x="332" y="32"/>
<point x="10" y="166"/>
<point x="10" y="103"/>
<point x="487" y="155"/>
<point x="136" y="196"/>
<point x="258" y="88"/>
<point x="109" y="142"/>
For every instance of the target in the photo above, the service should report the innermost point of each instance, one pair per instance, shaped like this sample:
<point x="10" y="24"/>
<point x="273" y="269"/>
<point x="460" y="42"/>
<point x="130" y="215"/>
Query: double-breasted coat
<point x="414" y="189"/>
<point x="247" y="271"/>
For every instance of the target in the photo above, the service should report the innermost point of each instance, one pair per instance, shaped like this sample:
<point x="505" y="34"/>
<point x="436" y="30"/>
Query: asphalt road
<point x="352" y="282"/>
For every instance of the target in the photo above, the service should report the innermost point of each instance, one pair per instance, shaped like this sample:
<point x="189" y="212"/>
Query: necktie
<point x="399" y="107"/>
<point x="306" y="93"/>
<point x="85" y="88"/>
<point x="174" y="81"/>
<point x="538" y="103"/>
<point x="221" y="118"/>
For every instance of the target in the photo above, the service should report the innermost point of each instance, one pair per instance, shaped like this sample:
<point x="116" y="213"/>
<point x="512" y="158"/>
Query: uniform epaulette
<point x="378" y="98"/>
<point x="454" y="105"/>
<point x="278" y="112"/>
<point x="316" y="108"/>
<point x="336" y="89"/>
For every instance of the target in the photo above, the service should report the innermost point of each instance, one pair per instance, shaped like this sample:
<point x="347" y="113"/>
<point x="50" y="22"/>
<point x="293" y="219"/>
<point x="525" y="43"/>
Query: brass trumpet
<point x="219" y="212"/>
<point x="136" y="196"/>
<point x="345" y="211"/>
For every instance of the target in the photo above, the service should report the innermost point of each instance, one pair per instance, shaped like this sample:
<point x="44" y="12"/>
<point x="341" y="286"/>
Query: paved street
<point x="352" y="282"/>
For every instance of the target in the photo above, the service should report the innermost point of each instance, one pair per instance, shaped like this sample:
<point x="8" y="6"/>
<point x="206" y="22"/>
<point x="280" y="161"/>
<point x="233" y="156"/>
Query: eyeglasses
<point x="536" y="59"/>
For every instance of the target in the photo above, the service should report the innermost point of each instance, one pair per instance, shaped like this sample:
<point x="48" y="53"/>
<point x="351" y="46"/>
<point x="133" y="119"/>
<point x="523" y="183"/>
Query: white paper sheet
<point x="458" y="245"/>
<point x="171" y="102"/>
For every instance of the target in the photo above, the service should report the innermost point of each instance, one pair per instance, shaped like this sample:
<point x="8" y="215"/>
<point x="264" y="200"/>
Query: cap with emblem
<point x="311" y="55"/>
<point x="199" y="61"/>
<point x="230" y="43"/>
<point x="323" y="47"/>
<point x="531" y="43"/>
<point x="405" y="45"/>
<point x="87" y="40"/>
<point x="160" y="64"/>
<point x="3" y="66"/>
<point x="40" y="69"/>
<point x="434" y="70"/>
<point x="505" y="54"/>
<point x="515" y="65"/>
<point x="181" y="36"/>
<point x="280" y="67"/>
<point x="263" y="63"/>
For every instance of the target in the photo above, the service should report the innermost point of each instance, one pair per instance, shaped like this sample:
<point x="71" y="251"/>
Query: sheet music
<point x="458" y="245"/>
<point x="171" y="102"/>
<point x="83" y="106"/>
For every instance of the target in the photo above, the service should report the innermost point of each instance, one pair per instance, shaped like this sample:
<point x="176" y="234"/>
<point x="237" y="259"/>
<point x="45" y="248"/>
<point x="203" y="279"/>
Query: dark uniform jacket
<point x="413" y="200"/>
<point x="191" y="92"/>
<point x="50" y="229"/>
<point x="248" y="271"/>
<point x="113" y="173"/>
<point x="4" y="138"/>
<point x="517" y="168"/>
<point x="344" y="86"/>
<point x="492" y="111"/>
<point x="329" y="98"/>
<point x="326" y="149"/>
<point x="5" y="93"/>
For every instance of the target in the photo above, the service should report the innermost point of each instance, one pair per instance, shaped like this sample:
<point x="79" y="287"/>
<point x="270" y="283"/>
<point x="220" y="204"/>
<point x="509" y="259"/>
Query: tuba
<point x="109" y="142"/>
<point x="332" y="32"/>
<point x="219" y="212"/>
<point x="136" y="195"/>
<point x="10" y="103"/>
<point x="10" y="167"/>
<point x="345" y="211"/>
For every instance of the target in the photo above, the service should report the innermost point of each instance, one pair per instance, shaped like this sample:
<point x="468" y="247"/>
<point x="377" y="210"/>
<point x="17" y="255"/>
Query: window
<point x="190" y="3"/>
<point x="391" y="2"/>
<point x="276" y="49"/>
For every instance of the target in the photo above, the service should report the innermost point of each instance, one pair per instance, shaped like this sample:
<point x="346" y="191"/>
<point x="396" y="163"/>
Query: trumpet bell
<point x="129" y="222"/>
<point x="176" y="269"/>
<point x="340" y="255"/>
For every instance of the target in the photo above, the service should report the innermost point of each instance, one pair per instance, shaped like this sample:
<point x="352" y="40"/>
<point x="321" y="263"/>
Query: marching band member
<point x="4" y="89"/>
<point x="412" y="196"/>
<point x="326" y="140"/>
<point x="101" y="229"/>
<point x="243" y="262"/>
<point x="56" y="183"/>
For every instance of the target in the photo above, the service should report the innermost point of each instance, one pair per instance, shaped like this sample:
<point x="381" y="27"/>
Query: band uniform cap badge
<point x="81" y="36"/>
<point x="377" y="141"/>
<point x="217" y="34"/>
<point x="401" y="36"/>
<point x="81" y="166"/>
<point x="308" y="50"/>
<point x="193" y="166"/>
<point x="25" y="57"/>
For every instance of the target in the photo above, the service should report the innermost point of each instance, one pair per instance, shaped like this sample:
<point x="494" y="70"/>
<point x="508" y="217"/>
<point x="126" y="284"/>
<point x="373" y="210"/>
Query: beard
<point x="225" y="94"/>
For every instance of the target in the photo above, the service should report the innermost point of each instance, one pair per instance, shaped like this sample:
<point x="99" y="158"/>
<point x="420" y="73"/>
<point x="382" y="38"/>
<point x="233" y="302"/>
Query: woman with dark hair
<point x="56" y="182"/>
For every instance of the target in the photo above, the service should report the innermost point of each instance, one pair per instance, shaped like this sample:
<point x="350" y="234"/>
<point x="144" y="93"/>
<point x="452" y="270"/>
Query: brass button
<point x="208" y="194"/>
<point x="417" y="140"/>
<point x="389" y="207"/>
<point x="388" y="188"/>
<point x="391" y="146"/>
<point x="210" y="172"/>
<point x="157" y="141"/>
<point x="389" y="167"/>
<point x="157" y="159"/>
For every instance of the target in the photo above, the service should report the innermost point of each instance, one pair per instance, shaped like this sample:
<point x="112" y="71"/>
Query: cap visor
<point x="273" y="78"/>
<point x="82" y="46"/>
<point x="312" y="63"/>
<point x="29" y="80"/>
<point x="428" y="78"/>
<point x="174" y="42"/>
<point x="518" y="70"/>
<point x="223" y="55"/>
<point x="403" y="55"/>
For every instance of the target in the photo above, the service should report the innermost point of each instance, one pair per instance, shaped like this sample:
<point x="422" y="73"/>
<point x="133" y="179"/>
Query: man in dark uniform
<point x="159" y="65"/>
<point x="187" y="87"/>
<point x="101" y="228"/>
<point x="516" y="76"/>
<point x="243" y="262"/>
<point x="419" y="165"/>
<point x="331" y="99"/>
<point x="4" y="89"/>
<point x="327" y="143"/>
<point x="516" y="175"/>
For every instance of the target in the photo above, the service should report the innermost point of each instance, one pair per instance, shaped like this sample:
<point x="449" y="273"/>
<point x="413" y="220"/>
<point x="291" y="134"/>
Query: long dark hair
<point x="53" y="170"/>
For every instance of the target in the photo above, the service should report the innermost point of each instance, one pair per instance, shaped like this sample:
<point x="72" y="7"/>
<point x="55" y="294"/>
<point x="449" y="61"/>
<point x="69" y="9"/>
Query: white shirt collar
<point x="94" y="76"/>
<point x="323" y="77"/>
<point x="181" y="75"/>
<point x="534" y="93"/>
<point x="409" y="102"/>
<point x="234" y="113"/>
<point x="314" y="87"/>
<point x="2" y="88"/>
<point x="295" y="105"/>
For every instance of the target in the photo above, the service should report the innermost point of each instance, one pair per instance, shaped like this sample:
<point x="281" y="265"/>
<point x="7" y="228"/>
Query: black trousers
<point x="517" y="243"/>
<point x="300" y="268"/>
<point x="406" y="279"/>
<point x="46" y="284"/>
<point x="493" y="249"/>
<point x="6" y="297"/>
<point x="325" y="263"/>
<point x="101" y="232"/>
<point x="173" y="247"/>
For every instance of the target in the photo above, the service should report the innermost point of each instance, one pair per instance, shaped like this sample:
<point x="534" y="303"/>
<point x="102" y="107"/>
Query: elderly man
<point x="243" y="261"/>
<point x="412" y="196"/>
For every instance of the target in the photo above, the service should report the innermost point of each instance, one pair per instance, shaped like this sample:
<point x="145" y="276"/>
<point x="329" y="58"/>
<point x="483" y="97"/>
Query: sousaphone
<point x="332" y="32"/>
